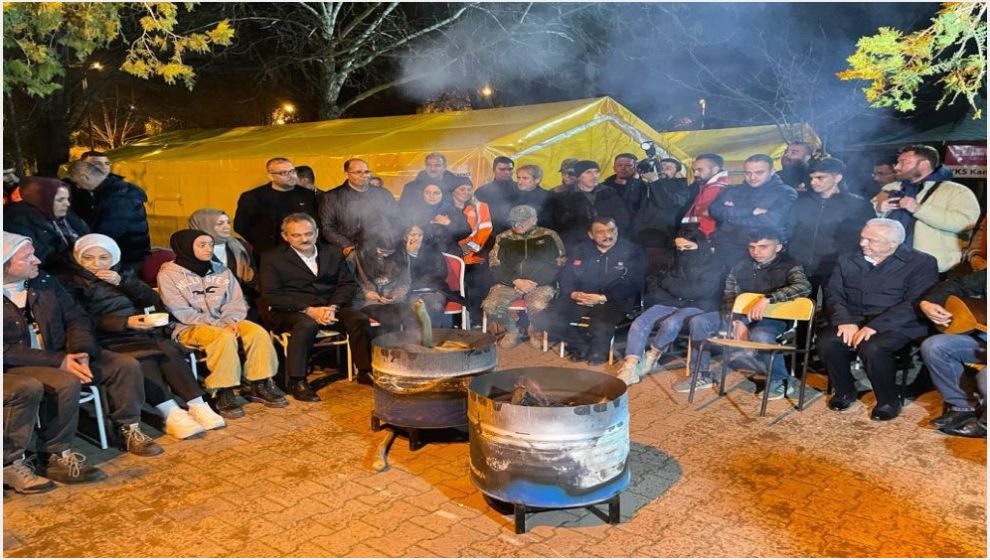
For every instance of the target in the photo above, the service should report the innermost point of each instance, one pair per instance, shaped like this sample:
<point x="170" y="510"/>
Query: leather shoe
<point x="364" y="378"/>
<point x="301" y="391"/>
<point x="841" y="402"/>
<point x="577" y="356"/>
<point x="971" y="428"/>
<point x="884" y="412"/>
<point x="953" y="418"/>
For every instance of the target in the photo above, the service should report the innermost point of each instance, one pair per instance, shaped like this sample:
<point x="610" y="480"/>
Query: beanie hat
<point x="584" y="165"/>
<point x="11" y="243"/>
<point x="91" y="240"/>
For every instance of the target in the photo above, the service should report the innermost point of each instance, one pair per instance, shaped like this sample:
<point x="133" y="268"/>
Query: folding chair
<point x="455" y="282"/>
<point x="91" y="393"/>
<point x="800" y="309"/>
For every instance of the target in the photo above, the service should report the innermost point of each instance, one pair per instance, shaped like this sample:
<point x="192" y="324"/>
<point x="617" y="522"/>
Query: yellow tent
<point x="190" y="169"/>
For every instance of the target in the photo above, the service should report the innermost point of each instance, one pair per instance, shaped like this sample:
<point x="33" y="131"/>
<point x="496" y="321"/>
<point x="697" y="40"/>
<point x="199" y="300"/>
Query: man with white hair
<point x="871" y="300"/>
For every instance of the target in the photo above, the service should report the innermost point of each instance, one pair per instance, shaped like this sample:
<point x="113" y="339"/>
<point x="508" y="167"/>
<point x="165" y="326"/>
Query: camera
<point x="649" y="168"/>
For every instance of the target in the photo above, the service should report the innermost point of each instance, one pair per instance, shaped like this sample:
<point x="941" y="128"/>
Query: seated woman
<point x="115" y="302"/>
<point x="428" y="274"/>
<point x="383" y="279"/>
<point x="43" y="214"/>
<point x="206" y="299"/>
<point x="692" y="286"/>
<point x="442" y="224"/>
<point x="230" y="252"/>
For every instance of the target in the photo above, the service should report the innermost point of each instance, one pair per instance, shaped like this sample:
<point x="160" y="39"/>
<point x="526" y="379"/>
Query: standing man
<point x="883" y="175"/>
<point x="307" y="179"/>
<point x="711" y="179"/>
<point x="500" y="193"/>
<point x="826" y="221"/>
<point x="574" y="211"/>
<point x="658" y="210"/>
<point x="602" y="280"/>
<point x="306" y="285"/>
<point x="567" y="176"/>
<point x="434" y="173"/>
<point x="794" y="164"/>
<point x="531" y="193"/>
<point x="355" y="208"/>
<point x="871" y="301"/>
<point x="260" y="211"/>
<point x="935" y="211"/>
<point x="762" y="201"/>
<point x="624" y="180"/>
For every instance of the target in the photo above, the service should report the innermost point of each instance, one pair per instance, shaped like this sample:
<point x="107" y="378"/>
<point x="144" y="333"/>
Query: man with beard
<point x="434" y="173"/>
<point x="711" y="179"/>
<point x="935" y="211"/>
<point x="260" y="210"/>
<point x="794" y="165"/>
<point x="500" y="193"/>
<point x="657" y="212"/>
<point x="624" y="180"/>
<point x="306" y="285"/>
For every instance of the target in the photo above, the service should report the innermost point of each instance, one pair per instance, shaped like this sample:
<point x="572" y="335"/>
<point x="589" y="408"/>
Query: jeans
<point x="222" y="359"/>
<point x="670" y="320"/>
<point x="765" y="330"/>
<point x="945" y="354"/>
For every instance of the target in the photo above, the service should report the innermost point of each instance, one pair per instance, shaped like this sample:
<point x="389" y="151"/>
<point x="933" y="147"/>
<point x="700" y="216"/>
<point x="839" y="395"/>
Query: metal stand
<point x="519" y="512"/>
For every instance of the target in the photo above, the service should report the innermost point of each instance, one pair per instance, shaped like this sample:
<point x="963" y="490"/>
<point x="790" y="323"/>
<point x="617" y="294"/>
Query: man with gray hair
<point x="871" y="301"/>
<point x="529" y="192"/>
<point x="524" y="261"/>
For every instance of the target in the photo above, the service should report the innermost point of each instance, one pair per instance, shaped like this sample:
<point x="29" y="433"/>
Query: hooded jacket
<point x="215" y="299"/>
<point x="536" y="255"/>
<point x="736" y="220"/>
<point x="946" y="210"/>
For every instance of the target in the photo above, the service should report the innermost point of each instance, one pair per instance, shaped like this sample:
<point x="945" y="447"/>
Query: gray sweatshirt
<point x="215" y="299"/>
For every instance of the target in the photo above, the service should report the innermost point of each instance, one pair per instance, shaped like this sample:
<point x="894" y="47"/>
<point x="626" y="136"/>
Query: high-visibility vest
<point x="480" y="220"/>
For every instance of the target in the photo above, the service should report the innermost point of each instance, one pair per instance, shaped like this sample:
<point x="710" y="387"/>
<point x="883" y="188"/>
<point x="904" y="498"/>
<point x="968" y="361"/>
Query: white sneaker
<point x="648" y="362"/>
<point x="206" y="417"/>
<point x="181" y="425"/>
<point x="629" y="372"/>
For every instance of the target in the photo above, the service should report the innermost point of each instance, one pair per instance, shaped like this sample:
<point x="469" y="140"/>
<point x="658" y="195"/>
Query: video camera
<point x="649" y="168"/>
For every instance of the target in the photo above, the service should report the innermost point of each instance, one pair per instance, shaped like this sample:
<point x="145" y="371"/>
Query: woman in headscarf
<point x="441" y="223"/>
<point x="43" y="214"/>
<point x="428" y="275"/>
<point x="116" y="302"/>
<point x="228" y="249"/>
<point x="383" y="277"/>
<point x="692" y="286"/>
<point x="207" y="300"/>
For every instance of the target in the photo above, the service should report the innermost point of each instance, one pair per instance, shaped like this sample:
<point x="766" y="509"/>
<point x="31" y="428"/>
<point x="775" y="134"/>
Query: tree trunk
<point x="51" y="139"/>
<point x="15" y="128"/>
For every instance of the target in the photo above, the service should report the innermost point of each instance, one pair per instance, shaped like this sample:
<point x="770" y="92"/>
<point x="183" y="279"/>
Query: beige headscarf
<point x="205" y="219"/>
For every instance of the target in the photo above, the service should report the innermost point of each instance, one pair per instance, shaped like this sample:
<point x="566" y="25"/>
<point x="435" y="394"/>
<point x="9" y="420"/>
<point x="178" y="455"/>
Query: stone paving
<point x="710" y="479"/>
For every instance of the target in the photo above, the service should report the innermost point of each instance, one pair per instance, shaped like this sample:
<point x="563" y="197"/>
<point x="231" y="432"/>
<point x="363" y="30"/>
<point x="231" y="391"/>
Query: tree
<point x="951" y="52"/>
<point x="48" y="46"/>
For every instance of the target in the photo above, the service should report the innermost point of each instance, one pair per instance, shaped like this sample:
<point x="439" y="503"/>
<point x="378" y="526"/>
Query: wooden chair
<point x="797" y="310"/>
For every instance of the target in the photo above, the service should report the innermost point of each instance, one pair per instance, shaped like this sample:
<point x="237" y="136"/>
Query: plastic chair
<point x="455" y="282"/>
<point x="90" y="393"/>
<point x="797" y="310"/>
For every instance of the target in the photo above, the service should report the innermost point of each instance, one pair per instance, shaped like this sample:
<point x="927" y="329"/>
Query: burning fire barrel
<point x="419" y="386"/>
<point x="549" y="438"/>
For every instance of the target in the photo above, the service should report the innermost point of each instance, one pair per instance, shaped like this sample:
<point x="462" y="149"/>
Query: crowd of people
<point x="658" y="253"/>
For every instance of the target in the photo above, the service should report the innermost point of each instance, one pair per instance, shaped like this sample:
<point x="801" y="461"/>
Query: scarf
<point x="182" y="244"/>
<point x="206" y="220"/>
<point x="91" y="240"/>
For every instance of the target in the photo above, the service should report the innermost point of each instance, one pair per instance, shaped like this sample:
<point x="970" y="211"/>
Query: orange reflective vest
<point x="480" y="220"/>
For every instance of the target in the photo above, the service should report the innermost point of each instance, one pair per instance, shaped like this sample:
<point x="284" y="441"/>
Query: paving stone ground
<point x="710" y="479"/>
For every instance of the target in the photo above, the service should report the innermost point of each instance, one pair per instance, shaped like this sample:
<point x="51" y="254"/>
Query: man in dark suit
<point x="307" y="285"/>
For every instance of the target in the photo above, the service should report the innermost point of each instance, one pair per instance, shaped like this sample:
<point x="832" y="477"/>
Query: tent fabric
<point x="185" y="170"/>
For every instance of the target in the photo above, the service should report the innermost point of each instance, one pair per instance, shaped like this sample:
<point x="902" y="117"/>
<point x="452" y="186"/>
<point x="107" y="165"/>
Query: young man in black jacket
<point x="307" y="285"/>
<point x="871" y="301"/>
<point x="260" y="210"/>
<point x="767" y="271"/>
<point x="603" y="280"/>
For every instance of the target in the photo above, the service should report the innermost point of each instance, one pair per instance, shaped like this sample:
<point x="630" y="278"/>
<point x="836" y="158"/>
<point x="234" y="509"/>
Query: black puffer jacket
<point x="574" y="211"/>
<point x="696" y="279"/>
<point x="346" y="215"/>
<point x="49" y="246"/>
<point x="63" y="325"/>
<point x="824" y="228"/>
<point x="118" y="212"/>
<point x="109" y="306"/>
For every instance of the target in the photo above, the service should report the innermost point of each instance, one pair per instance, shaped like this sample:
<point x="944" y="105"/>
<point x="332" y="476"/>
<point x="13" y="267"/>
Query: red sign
<point x="967" y="160"/>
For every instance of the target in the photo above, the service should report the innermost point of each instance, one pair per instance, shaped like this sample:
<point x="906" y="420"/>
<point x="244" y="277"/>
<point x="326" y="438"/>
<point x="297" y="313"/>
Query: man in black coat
<point x="658" y="211"/>
<point x="529" y="192"/>
<point x="500" y="193"/>
<point x="112" y="206"/>
<point x="305" y="286"/>
<point x="826" y="221"/>
<point x="355" y="208"/>
<point x="434" y="173"/>
<point x="603" y="279"/>
<point x="260" y="211"/>
<point x="624" y="180"/>
<point x="871" y="300"/>
<point x="48" y="337"/>
<point x="573" y="211"/>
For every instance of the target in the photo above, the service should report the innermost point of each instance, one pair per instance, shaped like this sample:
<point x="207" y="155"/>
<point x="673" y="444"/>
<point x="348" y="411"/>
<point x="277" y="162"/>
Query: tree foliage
<point x="950" y="52"/>
<point x="41" y="38"/>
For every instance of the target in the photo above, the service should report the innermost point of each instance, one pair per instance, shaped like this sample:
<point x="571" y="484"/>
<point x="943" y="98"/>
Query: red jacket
<point x="707" y="193"/>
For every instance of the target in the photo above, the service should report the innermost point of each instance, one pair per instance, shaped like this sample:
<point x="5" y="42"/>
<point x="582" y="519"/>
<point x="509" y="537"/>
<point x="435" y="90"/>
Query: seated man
<point x="767" y="271"/>
<point x="946" y="355"/>
<point x="53" y="343"/>
<point x="306" y="285"/>
<point x="870" y="301"/>
<point x="524" y="261"/>
<point x="602" y="281"/>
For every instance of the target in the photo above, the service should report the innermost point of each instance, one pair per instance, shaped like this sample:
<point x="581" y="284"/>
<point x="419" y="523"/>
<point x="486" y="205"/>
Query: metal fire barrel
<point x="420" y="387"/>
<point x="549" y="456"/>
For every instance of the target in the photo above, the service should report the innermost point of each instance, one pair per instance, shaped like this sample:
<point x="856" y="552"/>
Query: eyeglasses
<point x="285" y="173"/>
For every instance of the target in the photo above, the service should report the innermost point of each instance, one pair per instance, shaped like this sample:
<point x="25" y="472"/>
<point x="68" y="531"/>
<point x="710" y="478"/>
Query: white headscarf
<point x="91" y="240"/>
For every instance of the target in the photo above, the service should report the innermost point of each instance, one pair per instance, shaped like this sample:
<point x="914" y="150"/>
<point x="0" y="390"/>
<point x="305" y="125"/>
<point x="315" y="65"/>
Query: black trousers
<point x="303" y="332"/>
<point x="168" y="373"/>
<point x="478" y="282"/>
<point x="38" y="392"/>
<point x="121" y="378"/>
<point x="877" y="355"/>
<point x="593" y="340"/>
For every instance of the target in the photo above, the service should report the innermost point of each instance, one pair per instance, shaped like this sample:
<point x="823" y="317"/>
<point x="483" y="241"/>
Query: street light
<point x="289" y="108"/>
<point x="487" y="91"/>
